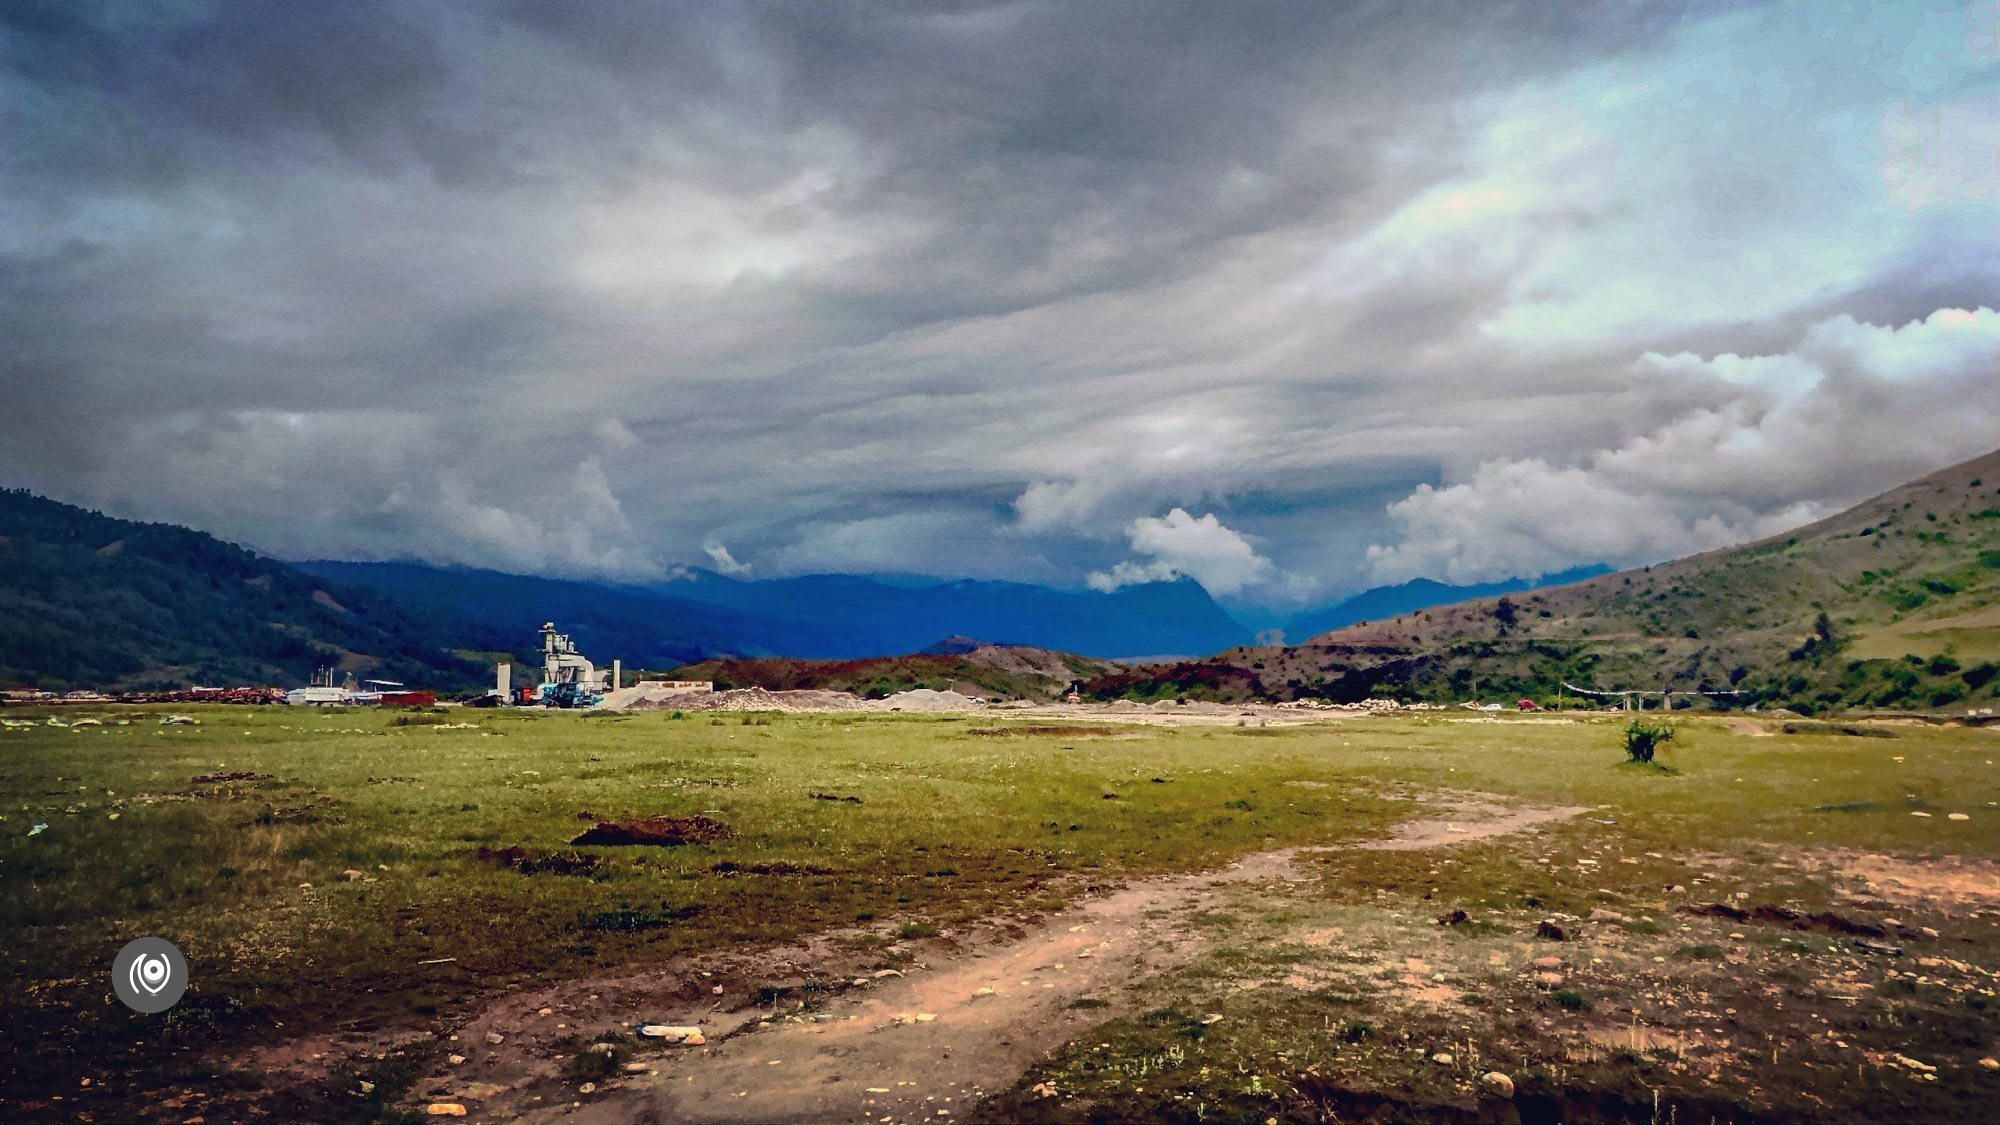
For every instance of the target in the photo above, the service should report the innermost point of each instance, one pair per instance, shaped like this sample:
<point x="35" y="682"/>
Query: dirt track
<point x="900" y="1047"/>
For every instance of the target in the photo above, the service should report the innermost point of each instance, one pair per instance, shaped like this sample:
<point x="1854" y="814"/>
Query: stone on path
<point x="685" y="1036"/>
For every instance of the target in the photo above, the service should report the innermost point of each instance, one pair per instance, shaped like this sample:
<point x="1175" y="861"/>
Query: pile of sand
<point x="641" y="697"/>
<point x="924" y="699"/>
<point x="757" y="699"/>
<point x="737" y="699"/>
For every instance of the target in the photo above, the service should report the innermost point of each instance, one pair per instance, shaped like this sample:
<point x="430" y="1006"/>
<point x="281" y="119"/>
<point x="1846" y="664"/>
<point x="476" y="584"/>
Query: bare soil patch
<point x="853" y="1024"/>
<point x="1952" y="882"/>
<point x="660" y="831"/>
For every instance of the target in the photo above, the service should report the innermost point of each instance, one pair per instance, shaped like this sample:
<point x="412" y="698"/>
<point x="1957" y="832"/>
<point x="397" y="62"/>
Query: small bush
<point x="1643" y="739"/>
<point x="420" y="719"/>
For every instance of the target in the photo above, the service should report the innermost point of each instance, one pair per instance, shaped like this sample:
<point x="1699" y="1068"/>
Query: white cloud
<point x="1692" y="185"/>
<point x="724" y="562"/>
<point x="1852" y="409"/>
<point x="1129" y="573"/>
<point x="1180" y="544"/>
<point x="615" y="435"/>
<point x="1047" y="505"/>
<point x="839" y="324"/>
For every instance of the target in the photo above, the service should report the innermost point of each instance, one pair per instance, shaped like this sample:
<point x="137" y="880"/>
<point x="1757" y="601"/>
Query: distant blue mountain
<point x="643" y="629"/>
<point x="1420" y="593"/>
<point x="826" y="616"/>
<point x="872" y="616"/>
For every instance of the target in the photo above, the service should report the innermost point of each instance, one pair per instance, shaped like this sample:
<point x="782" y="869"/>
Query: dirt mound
<point x="661" y="831"/>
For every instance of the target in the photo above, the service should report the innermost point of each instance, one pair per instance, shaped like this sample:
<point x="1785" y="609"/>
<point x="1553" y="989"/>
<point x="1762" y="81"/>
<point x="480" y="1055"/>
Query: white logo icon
<point x="151" y="973"/>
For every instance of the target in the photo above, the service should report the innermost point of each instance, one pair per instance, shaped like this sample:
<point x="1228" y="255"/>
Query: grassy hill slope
<point x="1892" y="603"/>
<point x="91" y="601"/>
<point x="994" y="671"/>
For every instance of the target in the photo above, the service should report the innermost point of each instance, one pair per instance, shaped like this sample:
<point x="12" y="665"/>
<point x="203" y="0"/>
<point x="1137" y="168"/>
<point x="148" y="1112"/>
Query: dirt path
<point x="922" y="1043"/>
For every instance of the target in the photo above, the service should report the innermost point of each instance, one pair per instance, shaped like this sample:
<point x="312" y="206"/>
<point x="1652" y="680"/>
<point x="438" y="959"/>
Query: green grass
<point x="953" y="824"/>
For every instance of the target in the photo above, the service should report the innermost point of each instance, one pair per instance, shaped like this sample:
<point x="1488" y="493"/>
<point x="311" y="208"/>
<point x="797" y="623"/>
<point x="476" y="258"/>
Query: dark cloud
<point x="983" y="289"/>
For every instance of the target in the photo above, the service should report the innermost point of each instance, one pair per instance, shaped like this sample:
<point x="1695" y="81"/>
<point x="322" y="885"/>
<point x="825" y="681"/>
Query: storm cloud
<point x="1291" y="298"/>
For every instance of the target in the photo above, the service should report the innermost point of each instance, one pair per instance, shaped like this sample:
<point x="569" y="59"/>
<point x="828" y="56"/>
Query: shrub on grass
<point x="1571" y="999"/>
<point x="1643" y="739"/>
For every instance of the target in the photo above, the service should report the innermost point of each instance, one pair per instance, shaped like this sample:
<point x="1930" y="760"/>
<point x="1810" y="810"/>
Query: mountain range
<point x="1894" y="602"/>
<point x="89" y="600"/>
<point x="1420" y="593"/>
<point x="823" y="616"/>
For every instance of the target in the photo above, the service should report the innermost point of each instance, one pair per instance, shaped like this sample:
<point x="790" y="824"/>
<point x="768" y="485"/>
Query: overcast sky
<point x="1293" y="298"/>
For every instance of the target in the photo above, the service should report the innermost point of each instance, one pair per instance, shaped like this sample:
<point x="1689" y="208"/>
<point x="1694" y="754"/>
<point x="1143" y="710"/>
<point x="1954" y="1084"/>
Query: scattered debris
<point x="229" y="775"/>
<point x="531" y="863"/>
<point x="286" y="814"/>
<point x="1768" y="912"/>
<point x="848" y="797"/>
<point x="775" y="867"/>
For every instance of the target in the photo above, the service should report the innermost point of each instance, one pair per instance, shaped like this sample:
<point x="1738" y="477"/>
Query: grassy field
<point x="309" y="895"/>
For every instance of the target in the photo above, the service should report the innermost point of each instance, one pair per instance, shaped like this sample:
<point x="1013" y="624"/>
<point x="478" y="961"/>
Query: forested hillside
<point x="91" y="601"/>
